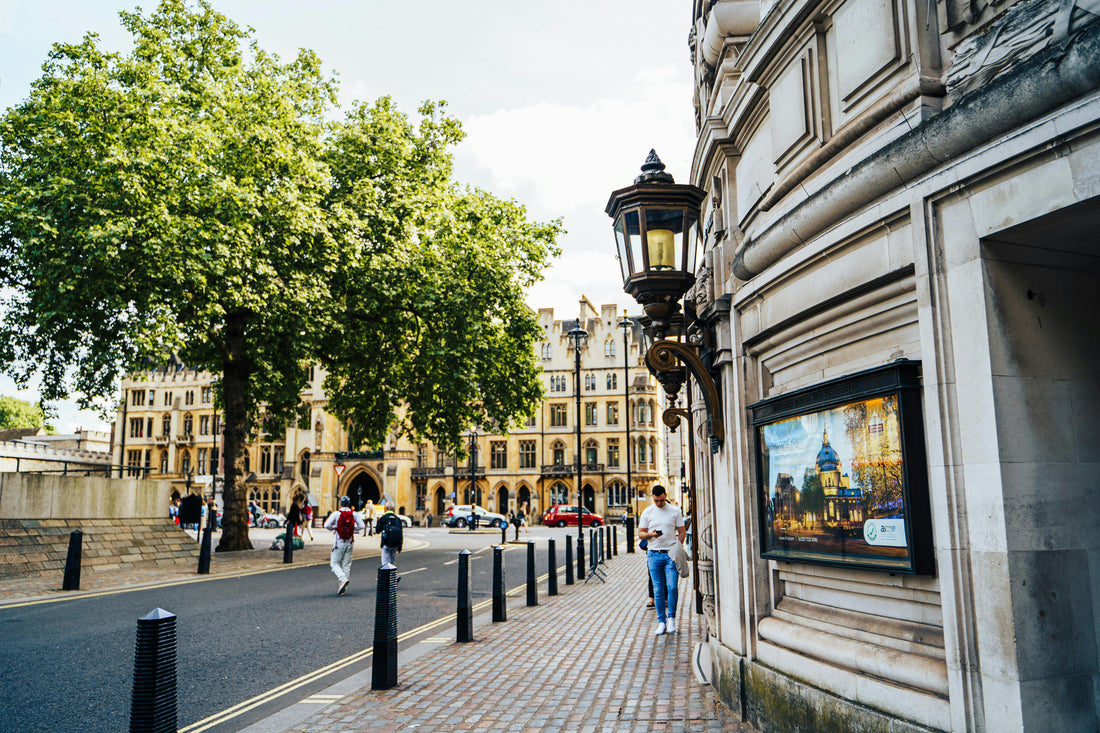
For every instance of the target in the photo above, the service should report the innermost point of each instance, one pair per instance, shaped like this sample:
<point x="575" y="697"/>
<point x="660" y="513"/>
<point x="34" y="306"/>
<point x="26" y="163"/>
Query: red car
<point x="564" y="515"/>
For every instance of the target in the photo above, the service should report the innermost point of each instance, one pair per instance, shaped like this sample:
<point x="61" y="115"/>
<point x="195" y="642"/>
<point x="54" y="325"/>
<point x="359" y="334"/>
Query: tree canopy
<point x="16" y="413"/>
<point x="193" y="197"/>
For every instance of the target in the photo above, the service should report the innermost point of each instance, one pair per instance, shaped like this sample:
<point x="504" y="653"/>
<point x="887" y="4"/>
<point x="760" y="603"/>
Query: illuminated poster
<point x="836" y="474"/>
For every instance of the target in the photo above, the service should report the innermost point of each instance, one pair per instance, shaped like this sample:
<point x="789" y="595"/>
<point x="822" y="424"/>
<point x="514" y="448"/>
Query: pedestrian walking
<point x="662" y="527"/>
<point x="293" y="520"/>
<point x="368" y="517"/>
<point x="521" y="517"/>
<point x="307" y="520"/>
<point x="391" y="536"/>
<point x="345" y="523"/>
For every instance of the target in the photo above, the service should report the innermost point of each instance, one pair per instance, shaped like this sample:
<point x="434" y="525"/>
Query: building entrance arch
<point x="589" y="498"/>
<point x="440" y="501"/>
<point x="502" y="500"/>
<point x="362" y="487"/>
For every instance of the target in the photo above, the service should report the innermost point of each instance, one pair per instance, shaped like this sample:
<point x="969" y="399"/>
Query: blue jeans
<point x="662" y="571"/>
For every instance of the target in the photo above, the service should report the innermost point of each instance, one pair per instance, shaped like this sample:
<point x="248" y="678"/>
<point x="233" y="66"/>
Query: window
<point x="278" y="458"/>
<point x="203" y="453"/>
<point x="613" y="453"/>
<point x="133" y="462"/>
<point x="189" y="397"/>
<point x="185" y="462"/>
<point x="559" y="494"/>
<point x="546" y="352"/>
<point x="422" y="455"/>
<point x="204" y="425"/>
<point x="168" y="398"/>
<point x="309" y="373"/>
<point x="247" y="462"/>
<point x="498" y="454"/>
<point x="527" y="454"/>
<point x="217" y="424"/>
<point x="137" y="398"/>
<point x="559" y="453"/>
<point x="532" y="421"/>
<point x="641" y="451"/>
<point x="609" y="347"/>
<point x="265" y="459"/>
<point x="188" y="424"/>
<point x="206" y="395"/>
<point x="149" y="425"/>
<point x="616" y="494"/>
<point x="164" y="461"/>
<point x="440" y="458"/>
<point x="612" y="413"/>
<point x="652" y="450"/>
<point x="591" y="411"/>
<point x="421" y="496"/>
<point x="612" y="380"/>
<point x="303" y="467"/>
<point x="591" y="453"/>
<point x="166" y="425"/>
<point x="559" y="416"/>
<point x="137" y="427"/>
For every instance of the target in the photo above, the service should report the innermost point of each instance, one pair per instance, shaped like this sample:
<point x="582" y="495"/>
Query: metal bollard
<point x="204" y="551"/>
<point x="580" y="557"/>
<point x="552" y="579"/>
<point x="630" y="534"/>
<point x="569" y="559"/>
<point x="288" y="544"/>
<point x="614" y="541"/>
<point x="465" y="608"/>
<point x="153" y="703"/>
<point x="503" y="533"/>
<point x="72" y="561"/>
<point x="603" y="545"/>
<point x="532" y="580"/>
<point x="384" y="675"/>
<point x="500" y="600"/>
<point x="594" y="552"/>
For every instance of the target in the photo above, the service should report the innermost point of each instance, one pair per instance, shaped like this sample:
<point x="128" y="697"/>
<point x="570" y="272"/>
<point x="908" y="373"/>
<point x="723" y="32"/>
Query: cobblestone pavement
<point x="585" y="660"/>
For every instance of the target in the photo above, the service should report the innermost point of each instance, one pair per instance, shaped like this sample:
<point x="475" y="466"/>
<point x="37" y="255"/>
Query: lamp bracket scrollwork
<point x="672" y="417"/>
<point x="663" y="359"/>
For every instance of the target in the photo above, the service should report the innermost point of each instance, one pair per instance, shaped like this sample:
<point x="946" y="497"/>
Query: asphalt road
<point x="68" y="666"/>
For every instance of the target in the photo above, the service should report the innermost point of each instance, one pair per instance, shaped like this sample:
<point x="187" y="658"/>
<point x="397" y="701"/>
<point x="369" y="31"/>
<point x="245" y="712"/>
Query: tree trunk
<point x="236" y="371"/>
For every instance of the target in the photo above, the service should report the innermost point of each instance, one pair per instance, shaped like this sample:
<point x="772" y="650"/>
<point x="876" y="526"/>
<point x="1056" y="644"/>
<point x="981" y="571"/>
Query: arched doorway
<point x="589" y="498"/>
<point x="502" y="500"/>
<point x="524" y="496"/>
<point x="362" y="488"/>
<point x="440" y="501"/>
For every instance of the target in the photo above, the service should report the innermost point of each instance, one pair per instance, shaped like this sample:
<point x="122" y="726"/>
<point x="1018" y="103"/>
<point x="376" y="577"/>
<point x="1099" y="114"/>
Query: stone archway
<point x="440" y="501"/>
<point x="503" y="496"/>
<point x="589" y="498"/>
<point x="362" y="487"/>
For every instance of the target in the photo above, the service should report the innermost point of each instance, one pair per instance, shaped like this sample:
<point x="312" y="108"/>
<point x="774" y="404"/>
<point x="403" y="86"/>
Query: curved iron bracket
<point x="662" y="359"/>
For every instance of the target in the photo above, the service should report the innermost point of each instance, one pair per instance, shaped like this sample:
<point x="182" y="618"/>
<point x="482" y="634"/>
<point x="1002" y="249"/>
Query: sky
<point x="561" y="100"/>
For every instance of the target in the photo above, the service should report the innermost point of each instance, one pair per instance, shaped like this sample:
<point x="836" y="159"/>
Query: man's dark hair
<point x="658" y="490"/>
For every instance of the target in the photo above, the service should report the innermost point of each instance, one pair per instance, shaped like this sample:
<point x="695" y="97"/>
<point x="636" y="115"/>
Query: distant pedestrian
<point x="368" y="517"/>
<point x="345" y="523"/>
<point x="521" y="516"/>
<point x="307" y="520"/>
<point x="293" y="519"/>
<point x="429" y="519"/>
<point x="662" y="527"/>
<point x="391" y="535"/>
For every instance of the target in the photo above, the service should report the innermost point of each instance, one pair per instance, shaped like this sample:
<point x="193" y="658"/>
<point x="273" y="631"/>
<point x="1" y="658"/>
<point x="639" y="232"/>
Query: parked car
<point x="271" y="521"/>
<point x="564" y="515"/>
<point x="458" y="514"/>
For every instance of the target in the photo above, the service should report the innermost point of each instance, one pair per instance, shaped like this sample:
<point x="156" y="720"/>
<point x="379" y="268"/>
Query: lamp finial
<point x="653" y="170"/>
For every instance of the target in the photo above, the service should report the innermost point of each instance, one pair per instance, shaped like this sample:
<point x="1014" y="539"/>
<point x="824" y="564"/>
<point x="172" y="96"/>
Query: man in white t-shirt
<point x="662" y="526"/>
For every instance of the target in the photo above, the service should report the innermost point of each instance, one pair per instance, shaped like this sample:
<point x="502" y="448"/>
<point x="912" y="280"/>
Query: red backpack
<point x="345" y="524"/>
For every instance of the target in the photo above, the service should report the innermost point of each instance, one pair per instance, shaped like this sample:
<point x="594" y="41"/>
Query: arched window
<point x="559" y="494"/>
<point x="164" y="461"/>
<point x="609" y="347"/>
<point x="652" y="412"/>
<point x="591" y="452"/>
<point x="641" y="451"/>
<point x="616" y="494"/>
<point x="185" y="461"/>
<point x="652" y="450"/>
<point x="303" y="467"/>
<point x="265" y="459"/>
<point x="166" y="428"/>
<point x="188" y="424"/>
<point x="558" y="449"/>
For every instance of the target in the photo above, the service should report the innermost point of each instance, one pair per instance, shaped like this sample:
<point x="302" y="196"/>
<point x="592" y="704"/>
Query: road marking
<point x="410" y="572"/>
<point x="450" y="562"/>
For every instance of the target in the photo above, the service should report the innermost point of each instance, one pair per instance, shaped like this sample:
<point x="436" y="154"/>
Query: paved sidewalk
<point x="585" y="660"/>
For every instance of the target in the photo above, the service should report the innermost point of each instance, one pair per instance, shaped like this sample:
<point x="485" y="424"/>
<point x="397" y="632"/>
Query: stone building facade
<point x="169" y="428"/>
<point x="900" y="179"/>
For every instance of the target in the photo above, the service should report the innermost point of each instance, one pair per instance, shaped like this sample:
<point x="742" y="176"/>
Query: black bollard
<point x="72" y="561"/>
<point x="630" y="534"/>
<point x="465" y="610"/>
<point x="552" y="579"/>
<point x="580" y="557"/>
<point x="569" y="559"/>
<point x="614" y="541"/>
<point x="385" y="630"/>
<point x="500" y="600"/>
<point x="532" y="581"/>
<point x="503" y="533"/>
<point x="153" y="703"/>
<point x="204" y="551"/>
<point x="288" y="544"/>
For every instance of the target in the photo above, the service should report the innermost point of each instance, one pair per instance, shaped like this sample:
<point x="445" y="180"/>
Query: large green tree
<point x="16" y="413"/>
<point x="190" y="198"/>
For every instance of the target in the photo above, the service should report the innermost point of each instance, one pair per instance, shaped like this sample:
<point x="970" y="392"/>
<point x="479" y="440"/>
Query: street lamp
<point x="657" y="237"/>
<point x="627" y="324"/>
<point x="472" y="496"/>
<point x="579" y="337"/>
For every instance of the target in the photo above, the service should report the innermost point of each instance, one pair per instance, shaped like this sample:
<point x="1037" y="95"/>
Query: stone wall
<point x="124" y="521"/>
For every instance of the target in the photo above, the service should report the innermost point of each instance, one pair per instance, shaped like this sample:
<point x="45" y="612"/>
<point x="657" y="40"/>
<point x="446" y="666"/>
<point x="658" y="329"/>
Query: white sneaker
<point x="343" y="587"/>
<point x="660" y="629"/>
<point x="670" y="626"/>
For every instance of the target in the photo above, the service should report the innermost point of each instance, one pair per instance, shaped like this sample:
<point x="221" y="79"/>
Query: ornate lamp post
<point x="626" y="324"/>
<point x="579" y="337"/>
<point x="472" y="496"/>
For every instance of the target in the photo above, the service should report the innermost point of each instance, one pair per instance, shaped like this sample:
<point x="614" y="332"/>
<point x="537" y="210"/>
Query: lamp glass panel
<point x="624" y="254"/>
<point x="664" y="238"/>
<point x="695" y="240"/>
<point x="634" y="241"/>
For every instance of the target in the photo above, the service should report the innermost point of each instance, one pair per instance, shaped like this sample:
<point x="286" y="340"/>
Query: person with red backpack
<point x="345" y="523"/>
